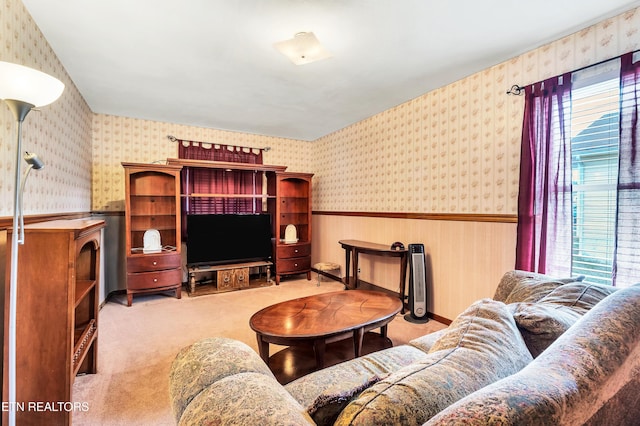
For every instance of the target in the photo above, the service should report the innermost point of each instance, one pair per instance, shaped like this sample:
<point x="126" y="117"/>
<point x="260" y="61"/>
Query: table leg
<point x="319" y="346"/>
<point x="403" y="277"/>
<point x="263" y="348"/>
<point x="192" y="282"/>
<point x="383" y="331"/>
<point x="358" y="337"/>
<point x="355" y="268"/>
<point x="347" y="253"/>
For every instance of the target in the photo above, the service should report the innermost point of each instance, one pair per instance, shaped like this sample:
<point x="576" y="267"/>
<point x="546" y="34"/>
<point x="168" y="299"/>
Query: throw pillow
<point x="481" y="346"/>
<point x="542" y="323"/>
<point x="326" y="407"/>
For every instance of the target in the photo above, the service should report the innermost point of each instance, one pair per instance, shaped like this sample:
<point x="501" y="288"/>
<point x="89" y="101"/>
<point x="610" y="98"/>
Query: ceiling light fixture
<point x="303" y="48"/>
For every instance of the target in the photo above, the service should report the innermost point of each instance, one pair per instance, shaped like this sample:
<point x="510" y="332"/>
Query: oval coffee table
<point x="324" y="318"/>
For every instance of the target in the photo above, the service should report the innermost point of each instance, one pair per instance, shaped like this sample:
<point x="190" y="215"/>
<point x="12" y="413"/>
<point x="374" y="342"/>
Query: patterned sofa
<point x="542" y="351"/>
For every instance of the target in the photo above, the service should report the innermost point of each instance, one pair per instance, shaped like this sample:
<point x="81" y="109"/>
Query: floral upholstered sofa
<point x="543" y="351"/>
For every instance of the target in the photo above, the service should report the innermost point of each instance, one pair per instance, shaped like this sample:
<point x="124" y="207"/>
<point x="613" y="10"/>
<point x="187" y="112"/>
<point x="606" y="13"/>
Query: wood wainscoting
<point x="466" y="254"/>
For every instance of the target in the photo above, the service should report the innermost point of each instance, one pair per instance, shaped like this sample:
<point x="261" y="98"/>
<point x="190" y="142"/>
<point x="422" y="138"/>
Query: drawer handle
<point x="227" y="279"/>
<point x="241" y="278"/>
<point x="295" y="251"/>
<point x="295" y="264"/>
<point x="155" y="263"/>
<point x="155" y="280"/>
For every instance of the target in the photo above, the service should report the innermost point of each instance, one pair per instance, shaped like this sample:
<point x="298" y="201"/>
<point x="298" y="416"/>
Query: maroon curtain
<point x="199" y="180"/>
<point x="544" y="199"/>
<point x="626" y="263"/>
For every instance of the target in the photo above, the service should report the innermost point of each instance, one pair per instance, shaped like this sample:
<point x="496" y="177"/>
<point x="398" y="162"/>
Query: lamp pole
<point x="20" y="110"/>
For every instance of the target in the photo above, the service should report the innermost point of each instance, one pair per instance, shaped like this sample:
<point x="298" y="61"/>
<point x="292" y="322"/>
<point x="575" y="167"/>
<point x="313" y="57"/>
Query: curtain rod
<point x="265" y="149"/>
<point x="516" y="89"/>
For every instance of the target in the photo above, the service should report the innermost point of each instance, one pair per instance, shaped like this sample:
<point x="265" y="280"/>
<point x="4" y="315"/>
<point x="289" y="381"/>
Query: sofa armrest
<point x="425" y="342"/>
<point x="245" y="399"/>
<point x="223" y="381"/>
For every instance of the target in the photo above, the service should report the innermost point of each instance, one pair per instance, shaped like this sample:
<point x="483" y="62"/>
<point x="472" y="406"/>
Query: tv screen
<point x="228" y="238"/>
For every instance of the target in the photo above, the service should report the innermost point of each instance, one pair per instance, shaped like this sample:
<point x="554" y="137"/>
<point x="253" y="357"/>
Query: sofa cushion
<point x="326" y="392"/>
<point x="205" y="362"/>
<point x="245" y="399"/>
<point x="579" y="296"/>
<point x="481" y="346"/>
<point x="534" y="289"/>
<point x="517" y="279"/>
<point x="542" y="323"/>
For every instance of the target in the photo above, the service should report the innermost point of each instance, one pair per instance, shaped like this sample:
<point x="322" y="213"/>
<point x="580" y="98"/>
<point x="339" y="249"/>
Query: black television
<point x="214" y="239"/>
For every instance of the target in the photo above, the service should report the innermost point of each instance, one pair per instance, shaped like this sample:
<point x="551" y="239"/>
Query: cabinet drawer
<point x="224" y="279"/>
<point x="152" y="262"/>
<point x="241" y="277"/>
<point x="294" y="250"/>
<point x="147" y="280"/>
<point x="287" y="266"/>
<point x="232" y="278"/>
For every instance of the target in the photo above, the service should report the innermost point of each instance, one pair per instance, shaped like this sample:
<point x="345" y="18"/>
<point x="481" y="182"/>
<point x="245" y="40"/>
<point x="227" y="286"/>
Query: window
<point x="579" y="195"/>
<point x="594" y="170"/>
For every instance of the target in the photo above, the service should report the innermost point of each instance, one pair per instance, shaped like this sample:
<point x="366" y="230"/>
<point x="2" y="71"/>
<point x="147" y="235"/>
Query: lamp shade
<point x="20" y="83"/>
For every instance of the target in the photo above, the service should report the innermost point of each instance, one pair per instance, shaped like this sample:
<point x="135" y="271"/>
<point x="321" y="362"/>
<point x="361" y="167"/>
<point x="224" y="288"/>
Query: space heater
<point x="417" y="284"/>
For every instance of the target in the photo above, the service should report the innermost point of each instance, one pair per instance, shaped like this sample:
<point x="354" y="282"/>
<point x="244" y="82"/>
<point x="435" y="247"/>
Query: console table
<point x="355" y="247"/>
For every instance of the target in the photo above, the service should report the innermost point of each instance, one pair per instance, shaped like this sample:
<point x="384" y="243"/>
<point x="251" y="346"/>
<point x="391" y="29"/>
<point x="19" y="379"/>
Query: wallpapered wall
<point x="455" y="149"/>
<point x="118" y="139"/>
<point x="60" y="133"/>
<point x="452" y="150"/>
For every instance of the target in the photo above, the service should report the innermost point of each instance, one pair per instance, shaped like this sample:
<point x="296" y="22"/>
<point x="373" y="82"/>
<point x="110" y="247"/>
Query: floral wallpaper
<point x="451" y="150"/>
<point x="120" y="139"/>
<point x="455" y="149"/>
<point x="60" y="134"/>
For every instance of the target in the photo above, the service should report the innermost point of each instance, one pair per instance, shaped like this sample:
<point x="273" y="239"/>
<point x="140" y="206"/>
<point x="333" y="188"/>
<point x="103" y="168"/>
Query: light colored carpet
<point x="137" y="344"/>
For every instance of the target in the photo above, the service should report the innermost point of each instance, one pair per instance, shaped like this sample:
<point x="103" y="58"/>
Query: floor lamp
<point x="22" y="89"/>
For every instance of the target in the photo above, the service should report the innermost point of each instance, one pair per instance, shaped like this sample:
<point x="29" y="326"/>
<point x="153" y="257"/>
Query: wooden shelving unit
<point x="152" y="202"/>
<point x="57" y="314"/>
<point x="291" y="206"/>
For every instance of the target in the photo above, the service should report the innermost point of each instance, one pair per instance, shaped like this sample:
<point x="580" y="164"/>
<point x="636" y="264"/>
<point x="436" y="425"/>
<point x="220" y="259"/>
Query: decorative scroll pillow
<point x="481" y="346"/>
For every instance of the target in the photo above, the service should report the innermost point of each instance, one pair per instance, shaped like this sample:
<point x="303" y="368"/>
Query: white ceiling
<point x="211" y="63"/>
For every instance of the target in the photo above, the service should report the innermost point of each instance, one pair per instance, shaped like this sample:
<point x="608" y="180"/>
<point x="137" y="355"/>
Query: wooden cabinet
<point x="292" y="206"/>
<point x="152" y="209"/>
<point x="56" y="316"/>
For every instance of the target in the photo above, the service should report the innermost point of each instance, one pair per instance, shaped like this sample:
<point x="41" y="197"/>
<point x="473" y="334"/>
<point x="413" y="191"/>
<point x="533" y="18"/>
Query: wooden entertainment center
<point x="153" y="201"/>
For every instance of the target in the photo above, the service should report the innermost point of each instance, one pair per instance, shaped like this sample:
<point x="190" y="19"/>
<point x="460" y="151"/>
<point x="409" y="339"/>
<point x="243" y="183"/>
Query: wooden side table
<point x="355" y="247"/>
